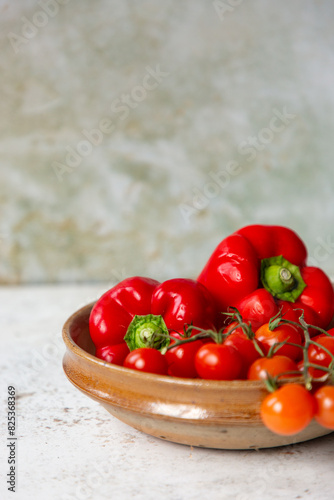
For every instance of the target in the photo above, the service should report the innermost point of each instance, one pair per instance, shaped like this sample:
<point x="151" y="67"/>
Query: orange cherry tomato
<point x="289" y="333"/>
<point x="288" y="410"/>
<point x="276" y="365"/>
<point x="324" y="414"/>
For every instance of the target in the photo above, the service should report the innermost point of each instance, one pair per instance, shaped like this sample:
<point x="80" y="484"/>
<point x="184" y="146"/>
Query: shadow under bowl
<point x="205" y="413"/>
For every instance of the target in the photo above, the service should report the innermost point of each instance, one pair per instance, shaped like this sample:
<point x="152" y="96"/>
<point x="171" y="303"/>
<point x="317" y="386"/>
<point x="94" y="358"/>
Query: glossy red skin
<point x="244" y="346"/>
<point x="274" y="366"/>
<point x="292" y="313"/>
<point x="146" y="359"/>
<point x="321" y="335"/>
<point x="267" y="338"/>
<point x="178" y="301"/>
<point x="233" y="272"/>
<point x="218" y="362"/>
<point x="316" y="300"/>
<point x="324" y="414"/>
<point x="288" y="410"/>
<point x="181" y="359"/>
<point x="114" y="354"/>
<point x="183" y="301"/>
<point x="317" y="296"/>
<point x="269" y="241"/>
<point x="257" y="307"/>
<point x="114" y="311"/>
<point x="318" y="356"/>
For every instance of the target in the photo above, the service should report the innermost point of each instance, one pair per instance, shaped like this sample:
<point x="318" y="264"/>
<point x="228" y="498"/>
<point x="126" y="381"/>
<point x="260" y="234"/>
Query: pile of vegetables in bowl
<point x="257" y="311"/>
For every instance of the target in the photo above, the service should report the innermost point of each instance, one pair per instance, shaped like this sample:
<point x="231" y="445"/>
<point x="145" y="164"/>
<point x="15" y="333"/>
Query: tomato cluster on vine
<point x="296" y="368"/>
<point x="257" y="311"/>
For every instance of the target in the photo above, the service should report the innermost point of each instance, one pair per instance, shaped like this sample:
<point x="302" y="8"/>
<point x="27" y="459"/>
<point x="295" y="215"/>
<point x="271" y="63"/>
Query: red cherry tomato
<point x="320" y="335"/>
<point x="288" y="333"/>
<point x="324" y="414"/>
<point x="146" y="359"/>
<point x="257" y="307"/>
<point x="244" y="346"/>
<point x="114" y="354"/>
<point x="300" y="365"/>
<point x="319" y="356"/>
<point x="292" y="312"/>
<point x="288" y="410"/>
<point x="181" y="359"/>
<point x="274" y="366"/>
<point x="218" y="362"/>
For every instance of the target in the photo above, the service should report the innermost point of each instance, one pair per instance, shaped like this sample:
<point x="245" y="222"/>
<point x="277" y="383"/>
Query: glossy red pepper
<point x="261" y="268"/>
<point x="143" y="312"/>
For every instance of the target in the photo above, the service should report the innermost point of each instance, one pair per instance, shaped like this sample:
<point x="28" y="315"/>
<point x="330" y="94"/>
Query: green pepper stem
<point x="147" y="331"/>
<point x="281" y="278"/>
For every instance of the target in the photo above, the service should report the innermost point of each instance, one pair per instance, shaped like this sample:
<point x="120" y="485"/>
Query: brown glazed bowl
<point x="206" y="413"/>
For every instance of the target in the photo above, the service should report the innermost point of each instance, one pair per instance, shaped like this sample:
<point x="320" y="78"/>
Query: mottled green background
<point x="185" y="157"/>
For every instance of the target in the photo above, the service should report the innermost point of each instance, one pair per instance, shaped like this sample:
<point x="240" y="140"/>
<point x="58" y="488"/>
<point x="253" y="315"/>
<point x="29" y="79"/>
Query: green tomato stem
<point x="201" y="335"/>
<point x="308" y="379"/>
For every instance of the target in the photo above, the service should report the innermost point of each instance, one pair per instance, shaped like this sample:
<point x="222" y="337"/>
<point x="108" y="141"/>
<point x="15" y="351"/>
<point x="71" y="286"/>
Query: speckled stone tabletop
<point x="68" y="447"/>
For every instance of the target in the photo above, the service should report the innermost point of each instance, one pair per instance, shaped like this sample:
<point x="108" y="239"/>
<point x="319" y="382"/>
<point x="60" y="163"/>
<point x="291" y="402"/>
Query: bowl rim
<point x="75" y="349"/>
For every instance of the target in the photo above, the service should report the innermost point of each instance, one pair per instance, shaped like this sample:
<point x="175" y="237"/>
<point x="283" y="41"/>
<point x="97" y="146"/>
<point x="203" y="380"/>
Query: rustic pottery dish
<point x="206" y="413"/>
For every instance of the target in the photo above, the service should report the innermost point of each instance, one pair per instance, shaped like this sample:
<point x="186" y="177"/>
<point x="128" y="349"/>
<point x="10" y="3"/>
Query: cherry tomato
<point x="320" y="335"/>
<point x="257" y="307"/>
<point x="288" y="333"/>
<point x="324" y="414"/>
<point x="114" y="354"/>
<point x="318" y="356"/>
<point x="244" y="346"/>
<point x="274" y="366"/>
<point x="288" y="410"/>
<point x="320" y="373"/>
<point x="300" y="365"/>
<point x="292" y="312"/>
<point x="218" y="362"/>
<point x="331" y="332"/>
<point x="181" y="359"/>
<point x="146" y="359"/>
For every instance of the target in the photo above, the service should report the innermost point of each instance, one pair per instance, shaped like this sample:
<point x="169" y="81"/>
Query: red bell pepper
<point x="261" y="268"/>
<point x="143" y="312"/>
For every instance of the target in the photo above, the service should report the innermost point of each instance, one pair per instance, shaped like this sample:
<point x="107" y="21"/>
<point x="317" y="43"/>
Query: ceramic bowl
<point x="206" y="413"/>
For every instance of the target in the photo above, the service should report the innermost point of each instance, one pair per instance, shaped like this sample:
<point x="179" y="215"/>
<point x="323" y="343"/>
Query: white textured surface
<point x="69" y="447"/>
<point x="118" y="211"/>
